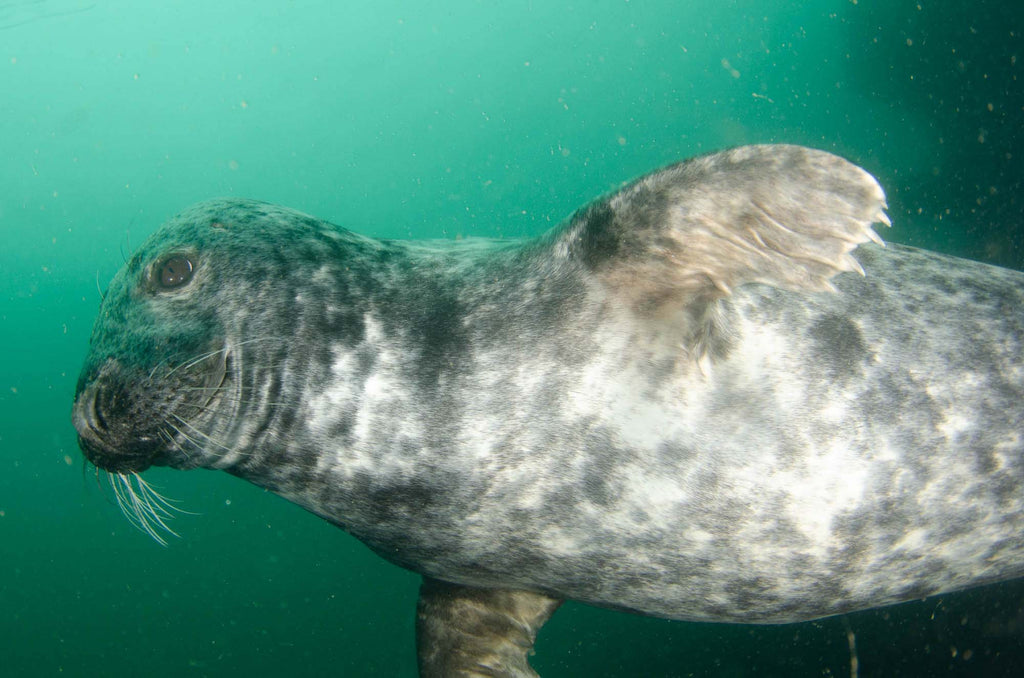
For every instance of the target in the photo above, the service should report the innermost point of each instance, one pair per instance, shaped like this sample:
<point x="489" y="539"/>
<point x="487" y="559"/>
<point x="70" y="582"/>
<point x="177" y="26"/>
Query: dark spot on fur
<point x="599" y="240"/>
<point x="839" y="345"/>
<point x="595" y="488"/>
<point x="440" y="335"/>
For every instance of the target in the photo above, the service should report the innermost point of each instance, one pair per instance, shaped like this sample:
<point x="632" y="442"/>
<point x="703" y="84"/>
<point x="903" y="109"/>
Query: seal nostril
<point x="87" y="415"/>
<point x="96" y="408"/>
<point x="98" y="421"/>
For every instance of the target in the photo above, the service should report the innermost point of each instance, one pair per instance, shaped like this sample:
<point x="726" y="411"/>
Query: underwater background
<point x="404" y="119"/>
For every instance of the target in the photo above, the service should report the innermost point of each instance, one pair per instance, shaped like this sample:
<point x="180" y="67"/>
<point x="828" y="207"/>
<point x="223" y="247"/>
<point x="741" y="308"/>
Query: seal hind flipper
<point x="782" y="215"/>
<point x="467" y="632"/>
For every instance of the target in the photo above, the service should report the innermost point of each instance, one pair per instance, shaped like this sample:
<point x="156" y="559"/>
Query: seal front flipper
<point x="681" y="237"/>
<point x="466" y="632"/>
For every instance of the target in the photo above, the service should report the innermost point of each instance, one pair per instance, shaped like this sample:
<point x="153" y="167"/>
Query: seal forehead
<point x="152" y="309"/>
<point x="232" y="248"/>
<point x="229" y="218"/>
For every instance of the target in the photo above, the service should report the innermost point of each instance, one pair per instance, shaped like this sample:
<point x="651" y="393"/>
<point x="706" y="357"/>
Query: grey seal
<point x="689" y="400"/>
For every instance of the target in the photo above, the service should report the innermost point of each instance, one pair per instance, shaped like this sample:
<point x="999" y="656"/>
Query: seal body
<point x="686" y="401"/>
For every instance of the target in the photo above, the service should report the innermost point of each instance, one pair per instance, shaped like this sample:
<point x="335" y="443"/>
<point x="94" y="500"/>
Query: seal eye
<point x="174" y="272"/>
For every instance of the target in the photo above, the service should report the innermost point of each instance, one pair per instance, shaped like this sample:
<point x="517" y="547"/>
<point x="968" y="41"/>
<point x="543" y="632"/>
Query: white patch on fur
<point x="380" y="389"/>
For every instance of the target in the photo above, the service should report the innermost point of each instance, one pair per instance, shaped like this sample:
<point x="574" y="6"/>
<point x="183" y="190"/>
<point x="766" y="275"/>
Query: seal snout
<point x="129" y="417"/>
<point x="104" y="435"/>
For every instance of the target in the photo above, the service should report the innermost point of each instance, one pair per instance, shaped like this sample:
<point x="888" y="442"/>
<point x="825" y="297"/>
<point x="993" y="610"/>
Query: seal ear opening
<point x="691" y="233"/>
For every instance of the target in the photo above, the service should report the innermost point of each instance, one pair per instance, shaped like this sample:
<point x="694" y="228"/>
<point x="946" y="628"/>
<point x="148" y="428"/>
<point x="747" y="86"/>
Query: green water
<point x="404" y="119"/>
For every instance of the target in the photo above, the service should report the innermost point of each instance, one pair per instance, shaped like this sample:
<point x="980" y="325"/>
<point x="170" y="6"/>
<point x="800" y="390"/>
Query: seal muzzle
<point x="101" y="415"/>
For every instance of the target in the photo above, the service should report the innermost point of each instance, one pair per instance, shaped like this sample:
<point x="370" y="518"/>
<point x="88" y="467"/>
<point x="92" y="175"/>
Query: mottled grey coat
<point x="687" y="401"/>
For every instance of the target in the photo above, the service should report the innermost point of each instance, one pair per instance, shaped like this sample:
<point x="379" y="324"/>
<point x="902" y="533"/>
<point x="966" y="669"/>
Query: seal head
<point x="163" y="381"/>
<point x="148" y="378"/>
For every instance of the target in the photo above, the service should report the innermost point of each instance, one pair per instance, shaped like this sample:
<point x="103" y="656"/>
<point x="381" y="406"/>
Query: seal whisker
<point x="156" y="367"/>
<point x="163" y="505"/>
<point x="126" y="246"/>
<point x="117" y="483"/>
<point x="174" y="443"/>
<point x="207" y="436"/>
<point x="227" y="396"/>
<point x="187" y="437"/>
<point x="196" y="444"/>
<point x="258" y="339"/>
<point x="146" y="509"/>
<point x="192" y="362"/>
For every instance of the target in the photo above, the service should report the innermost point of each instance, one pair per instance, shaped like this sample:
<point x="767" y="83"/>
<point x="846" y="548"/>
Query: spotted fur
<point x="684" y="402"/>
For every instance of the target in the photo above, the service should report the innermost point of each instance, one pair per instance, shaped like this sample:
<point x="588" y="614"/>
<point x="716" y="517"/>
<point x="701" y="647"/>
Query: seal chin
<point x="112" y="461"/>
